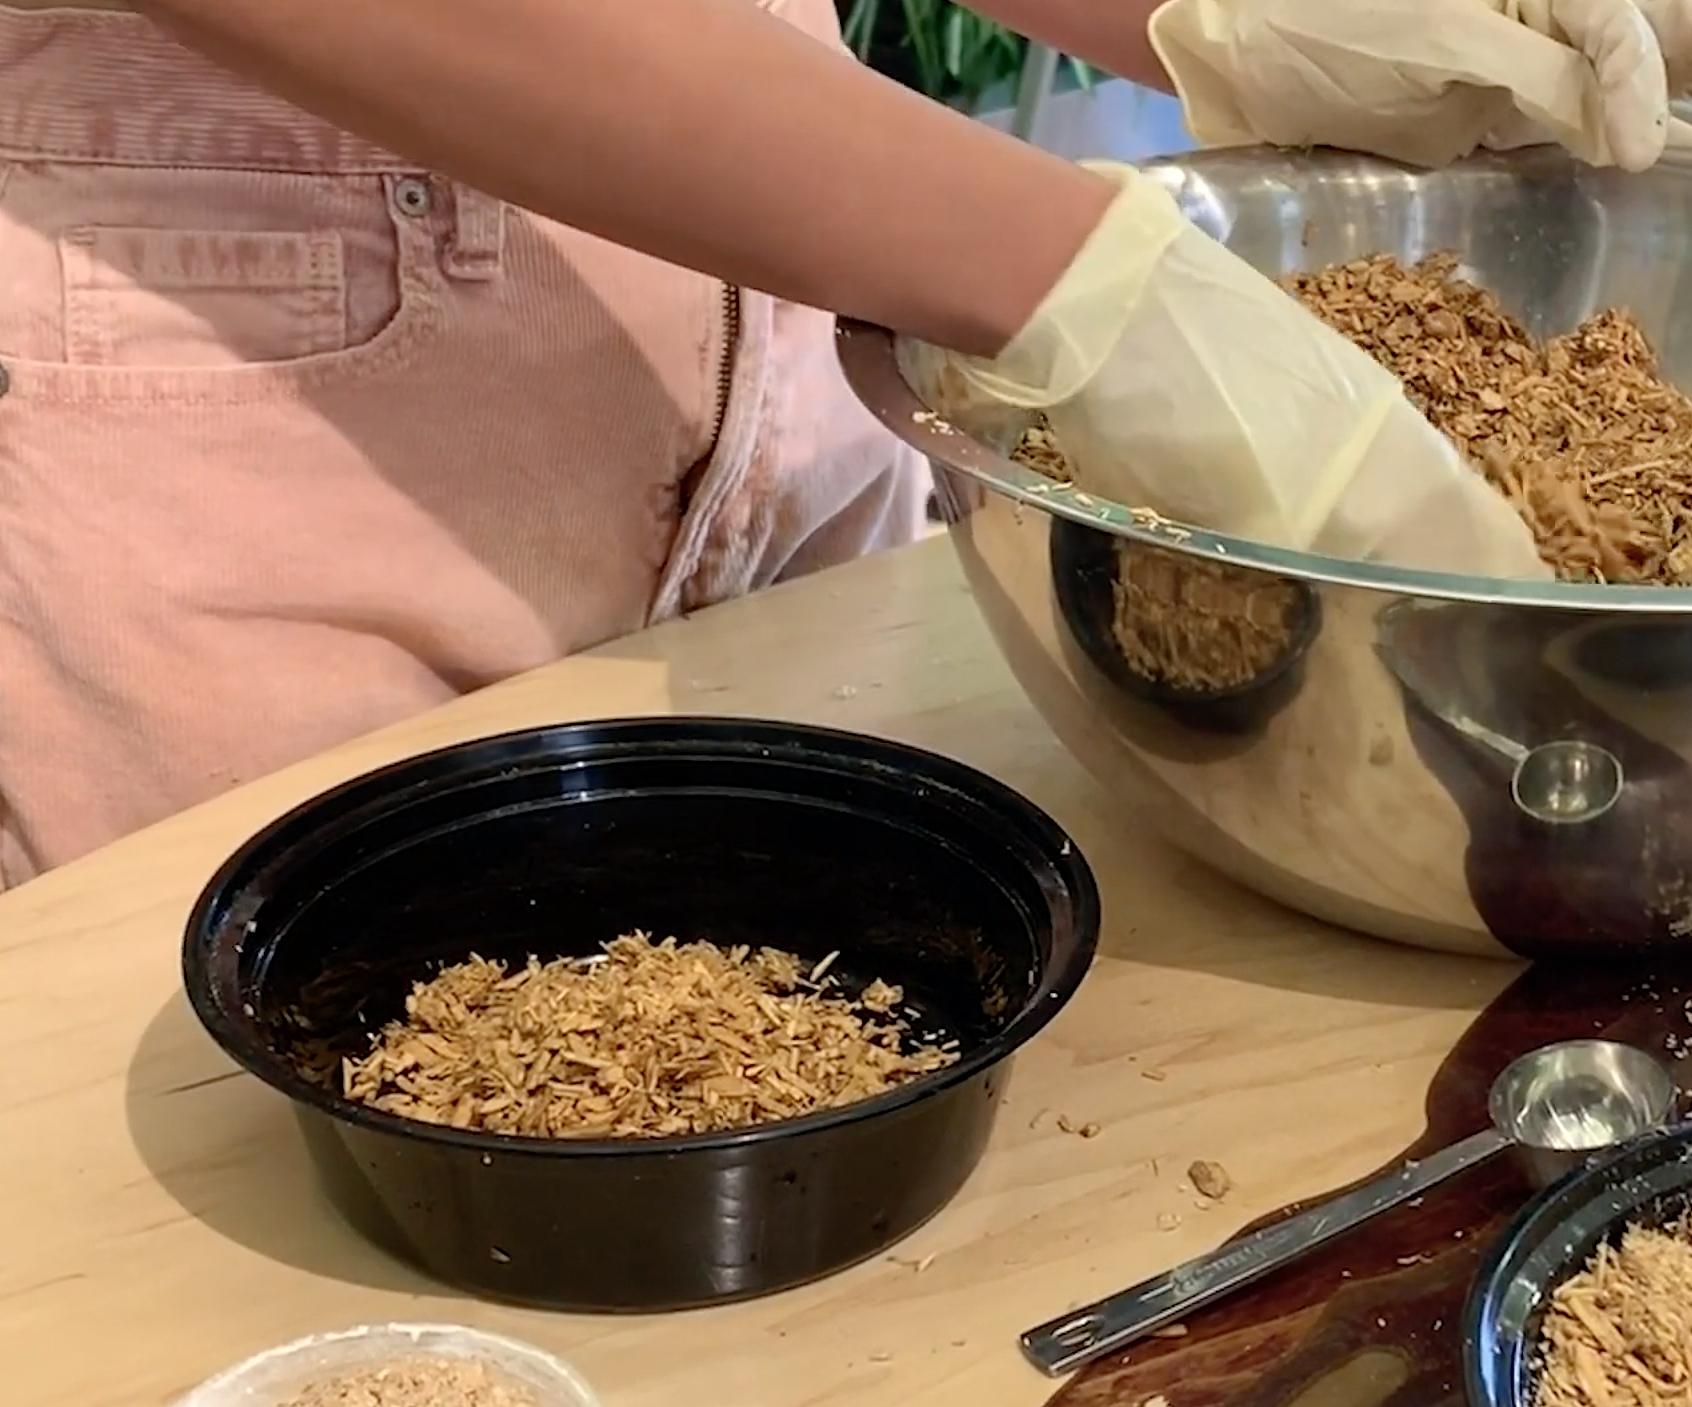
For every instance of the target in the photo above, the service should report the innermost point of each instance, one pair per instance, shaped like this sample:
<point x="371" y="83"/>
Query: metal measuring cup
<point x="1557" y="1105"/>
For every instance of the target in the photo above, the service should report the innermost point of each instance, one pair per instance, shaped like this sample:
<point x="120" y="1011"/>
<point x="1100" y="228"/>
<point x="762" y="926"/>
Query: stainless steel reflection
<point x="1359" y="783"/>
<point x="1556" y="1107"/>
<point x="1563" y="783"/>
<point x="1566" y="783"/>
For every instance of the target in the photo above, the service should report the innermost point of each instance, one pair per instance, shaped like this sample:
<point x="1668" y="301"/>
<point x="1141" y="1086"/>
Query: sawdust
<point x="643" y="1040"/>
<point x="1619" y="1334"/>
<point x="423" y="1381"/>
<point x="1582" y="434"/>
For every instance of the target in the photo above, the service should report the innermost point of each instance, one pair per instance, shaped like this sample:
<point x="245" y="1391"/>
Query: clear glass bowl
<point x="273" y="1377"/>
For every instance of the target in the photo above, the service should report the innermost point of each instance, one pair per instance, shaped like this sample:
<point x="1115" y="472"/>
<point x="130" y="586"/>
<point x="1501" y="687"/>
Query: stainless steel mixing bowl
<point x="1462" y="764"/>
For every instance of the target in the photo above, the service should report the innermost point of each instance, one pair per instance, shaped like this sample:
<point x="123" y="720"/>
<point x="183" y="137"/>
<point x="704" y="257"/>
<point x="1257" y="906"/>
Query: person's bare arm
<point x="1109" y="34"/>
<point x="704" y="132"/>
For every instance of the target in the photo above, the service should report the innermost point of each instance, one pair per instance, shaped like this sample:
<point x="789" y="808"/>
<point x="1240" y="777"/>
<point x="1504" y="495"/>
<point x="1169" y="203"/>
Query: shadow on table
<point x="228" y="1152"/>
<point x="1201" y="921"/>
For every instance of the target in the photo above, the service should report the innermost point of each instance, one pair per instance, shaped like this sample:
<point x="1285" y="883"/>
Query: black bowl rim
<point x="691" y="731"/>
<point x="1667" y="1149"/>
<point x="1154" y="691"/>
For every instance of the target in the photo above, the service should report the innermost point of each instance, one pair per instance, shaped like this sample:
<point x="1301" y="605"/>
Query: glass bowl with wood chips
<point x="398" y="1365"/>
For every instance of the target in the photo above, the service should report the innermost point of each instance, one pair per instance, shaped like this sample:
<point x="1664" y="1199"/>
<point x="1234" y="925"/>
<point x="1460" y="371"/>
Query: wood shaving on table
<point x="1210" y="1180"/>
<point x="644" y="1040"/>
<point x="418" y="1382"/>
<point x="1581" y="433"/>
<point x="1619" y="1334"/>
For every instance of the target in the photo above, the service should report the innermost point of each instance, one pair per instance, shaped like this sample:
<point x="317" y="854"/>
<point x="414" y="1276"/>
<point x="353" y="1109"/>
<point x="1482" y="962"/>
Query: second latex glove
<point x="1179" y="379"/>
<point x="1671" y="22"/>
<point x="1428" y="81"/>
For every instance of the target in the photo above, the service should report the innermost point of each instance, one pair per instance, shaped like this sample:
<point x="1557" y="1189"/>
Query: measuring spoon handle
<point x="1079" y="1337"/>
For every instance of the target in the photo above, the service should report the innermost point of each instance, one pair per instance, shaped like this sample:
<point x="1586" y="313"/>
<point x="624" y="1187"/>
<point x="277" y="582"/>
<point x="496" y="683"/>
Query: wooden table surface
<point x="165" y="1224"/>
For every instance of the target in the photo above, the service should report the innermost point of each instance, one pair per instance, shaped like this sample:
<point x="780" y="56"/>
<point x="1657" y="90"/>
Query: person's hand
<point x="1177" y="378"/>
<point x="1428" y="81"/>
<point x="1671" y="23"/>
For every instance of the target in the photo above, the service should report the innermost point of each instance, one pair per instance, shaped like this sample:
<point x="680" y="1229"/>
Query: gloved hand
<point x="1177" y="378"/>
<point x="1671" y="23"/>
<point x="1428" y="81"/>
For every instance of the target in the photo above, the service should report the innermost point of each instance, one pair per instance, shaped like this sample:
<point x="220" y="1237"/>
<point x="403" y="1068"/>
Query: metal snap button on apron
<point x="412" y="196"/>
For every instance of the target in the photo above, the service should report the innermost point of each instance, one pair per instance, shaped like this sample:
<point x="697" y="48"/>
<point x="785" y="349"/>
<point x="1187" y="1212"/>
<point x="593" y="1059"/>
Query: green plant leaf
<point x="922" y="31"/>
<point x="956" y="22"/>
<point x="957" y="56"/>
<point x="858" y="28"/>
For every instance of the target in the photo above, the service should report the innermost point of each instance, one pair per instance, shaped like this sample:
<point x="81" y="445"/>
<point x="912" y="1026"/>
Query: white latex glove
<point x="1179" y="379"/>
<point x="1428" y="81"/>
<point x="1671" y="22"/>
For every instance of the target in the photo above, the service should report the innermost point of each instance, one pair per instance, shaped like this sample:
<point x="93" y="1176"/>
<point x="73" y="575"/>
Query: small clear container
<point x="277" y="1375"/>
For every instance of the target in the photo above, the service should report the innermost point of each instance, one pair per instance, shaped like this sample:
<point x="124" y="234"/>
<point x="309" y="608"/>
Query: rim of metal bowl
<point x="867" y="354"/>
<point x="354" y="802"/>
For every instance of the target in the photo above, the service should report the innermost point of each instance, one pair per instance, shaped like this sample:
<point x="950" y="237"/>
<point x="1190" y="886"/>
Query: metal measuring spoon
<point x="1558" y="1105"/>
<point x="1561" y="783"/>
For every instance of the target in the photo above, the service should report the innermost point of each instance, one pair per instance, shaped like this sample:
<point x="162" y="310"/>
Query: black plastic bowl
<point x="1648" y="1182"/>
<point x="916" y="869"/>
<point x="1085" y="566"/>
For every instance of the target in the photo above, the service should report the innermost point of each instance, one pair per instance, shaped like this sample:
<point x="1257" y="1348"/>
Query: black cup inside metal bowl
<point x="916" y="870"/>
<point x="1646" y="1182"/>
<point x="1086" y="566"/>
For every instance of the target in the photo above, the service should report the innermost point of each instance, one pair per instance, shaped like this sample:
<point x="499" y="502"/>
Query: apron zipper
<point x="725" y="367"/>
<point x="725" y="388"/>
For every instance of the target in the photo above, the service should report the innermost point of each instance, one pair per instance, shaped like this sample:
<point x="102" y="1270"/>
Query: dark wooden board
<point x="1373" y="1321"/>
